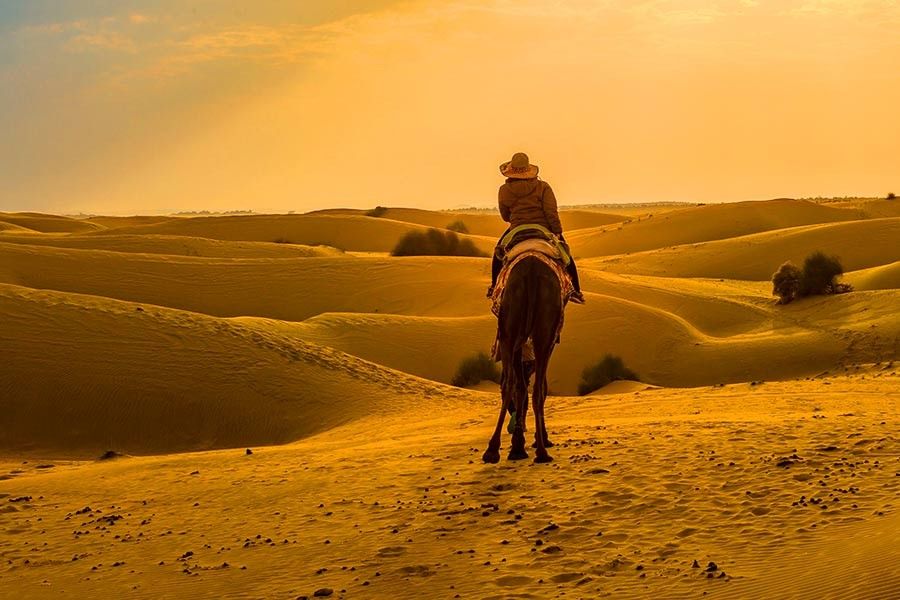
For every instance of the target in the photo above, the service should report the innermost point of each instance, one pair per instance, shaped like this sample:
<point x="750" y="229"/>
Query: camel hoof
<point x="543" y="458"/>
<point x="548" y="444"/>
<point x="491" y="456"/>
<point x="517" y="455"/>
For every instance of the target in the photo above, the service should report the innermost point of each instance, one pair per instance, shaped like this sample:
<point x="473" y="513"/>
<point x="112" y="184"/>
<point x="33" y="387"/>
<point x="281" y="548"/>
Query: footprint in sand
<point x="390" y="551"/>
<point x="512" y="580"/>
<point x="418" y="570"/>
<point x="566" y="577"/>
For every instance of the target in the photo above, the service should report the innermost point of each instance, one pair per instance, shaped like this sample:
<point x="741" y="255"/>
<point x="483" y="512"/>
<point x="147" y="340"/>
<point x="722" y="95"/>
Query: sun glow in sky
<point x="159" y="105"/>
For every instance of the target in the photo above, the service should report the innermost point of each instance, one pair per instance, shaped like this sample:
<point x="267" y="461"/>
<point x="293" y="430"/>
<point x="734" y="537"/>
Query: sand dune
<point x="288" y="289"/>
<point x="757" y="256"/>
<point x="299" y="289"/>
<point x="133" y="221"/>
<point x="14" y="229"/>
<point x="871" y="208"/>
<point x="90" y="374"/>
<point x="428" y="347"/>
<point x="877" y="278"/>
<point x="811" y="336"/>
<point x="48" y="223"/>
<point x="366" y="234"/>
<point x="794" y="341"/>
<point x="717" y="308"/>
<point x="481" y="223"/>
<point x="173" y="245"/>
<point x="701" y="332"/>
<point x="705" y="223"/>
<point x="484" y="224"/>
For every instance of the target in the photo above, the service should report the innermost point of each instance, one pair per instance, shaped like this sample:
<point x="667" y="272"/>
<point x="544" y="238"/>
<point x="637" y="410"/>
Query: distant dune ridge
<point x="347" y="232"/>
<point x="175" y="245"/>
<point x="755" y="458"/>
<point x="711" y="222"/>
<point x="859" y="244"/>
<point x="49" y="223"/>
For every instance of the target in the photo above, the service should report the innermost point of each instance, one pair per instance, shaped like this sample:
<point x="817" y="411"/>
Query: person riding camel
<point x="525" y="200"/>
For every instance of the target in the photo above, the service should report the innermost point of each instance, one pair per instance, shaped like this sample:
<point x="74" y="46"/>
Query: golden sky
<point x="158" y="105"/>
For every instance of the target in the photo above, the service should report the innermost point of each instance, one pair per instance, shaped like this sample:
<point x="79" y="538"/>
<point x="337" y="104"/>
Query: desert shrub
<point x="819" y="274"/>
<point x="786" y="282"/>
<point x="435" y="242"/>
<point x="610" y="369"/>
<point x="891" y="196"/>
<point x="282" y="240"/>
<point x="458" y="226"/>
<point x="376" y="212"/>
<point x="475" y="369"/>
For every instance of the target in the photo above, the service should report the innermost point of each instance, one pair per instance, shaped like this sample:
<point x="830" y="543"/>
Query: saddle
<point x="532" y="237"/>
<point x="532" y="244"/>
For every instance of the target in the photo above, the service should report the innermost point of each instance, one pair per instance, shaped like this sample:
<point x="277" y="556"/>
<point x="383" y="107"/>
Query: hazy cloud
<point x="677" y="99"/>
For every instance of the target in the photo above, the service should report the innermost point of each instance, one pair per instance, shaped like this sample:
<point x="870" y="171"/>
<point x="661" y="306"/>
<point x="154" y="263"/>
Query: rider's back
<point x="529" y="201"/>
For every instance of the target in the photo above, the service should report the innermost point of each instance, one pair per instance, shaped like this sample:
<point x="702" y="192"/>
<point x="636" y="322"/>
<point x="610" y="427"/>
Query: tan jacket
<point x="525" y="201"/>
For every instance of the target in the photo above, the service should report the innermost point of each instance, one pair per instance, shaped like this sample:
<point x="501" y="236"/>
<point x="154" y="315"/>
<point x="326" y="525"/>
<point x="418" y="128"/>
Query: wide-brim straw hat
<point x="519" y="167"/>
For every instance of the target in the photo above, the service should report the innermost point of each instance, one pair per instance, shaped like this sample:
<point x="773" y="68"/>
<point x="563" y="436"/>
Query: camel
<point x="531" y="307"/>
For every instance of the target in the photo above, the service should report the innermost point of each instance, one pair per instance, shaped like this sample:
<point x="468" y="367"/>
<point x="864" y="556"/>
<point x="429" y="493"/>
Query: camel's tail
<point x="532" y="299"/>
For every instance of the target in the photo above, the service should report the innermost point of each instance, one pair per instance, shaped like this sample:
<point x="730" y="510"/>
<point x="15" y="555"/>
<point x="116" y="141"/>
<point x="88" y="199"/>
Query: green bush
<point x="819" y="274"/>
<point x="610" y="369"/>
<point x="786" y="282"/>
<point x="475" y="369"/>
<point x="891" y="196"/>
<point x="435" y="242"/>
<point x="458" y="226"/>
<point x="376" y="212"/>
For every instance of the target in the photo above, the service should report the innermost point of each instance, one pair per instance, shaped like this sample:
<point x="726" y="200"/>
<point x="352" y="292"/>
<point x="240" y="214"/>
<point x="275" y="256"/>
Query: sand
<point x="707" y="223"/>
<point x="481" y="223"/>
<point x="789" y="489"/>
<point x="347" y="232"/>
<point x="751" y="256"/>
<point x="760" y="438"/>
<point x="174" y="245"/>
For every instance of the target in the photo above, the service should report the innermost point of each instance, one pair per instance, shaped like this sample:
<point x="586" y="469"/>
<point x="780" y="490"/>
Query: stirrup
<point x="576" y="297"/>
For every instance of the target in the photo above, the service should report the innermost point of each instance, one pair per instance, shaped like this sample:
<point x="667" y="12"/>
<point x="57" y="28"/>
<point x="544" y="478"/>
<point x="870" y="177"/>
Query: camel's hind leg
<point x="547" y="442"/>
<point x="492" y="454"/>
<point x="540" y="429"/>
<point x="520" y="397"/>
<point x="544" y="342"/>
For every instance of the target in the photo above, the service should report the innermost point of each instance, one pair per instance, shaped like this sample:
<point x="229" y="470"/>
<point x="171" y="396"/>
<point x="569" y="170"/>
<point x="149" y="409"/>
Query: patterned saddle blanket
<point x="538" y="249"/>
